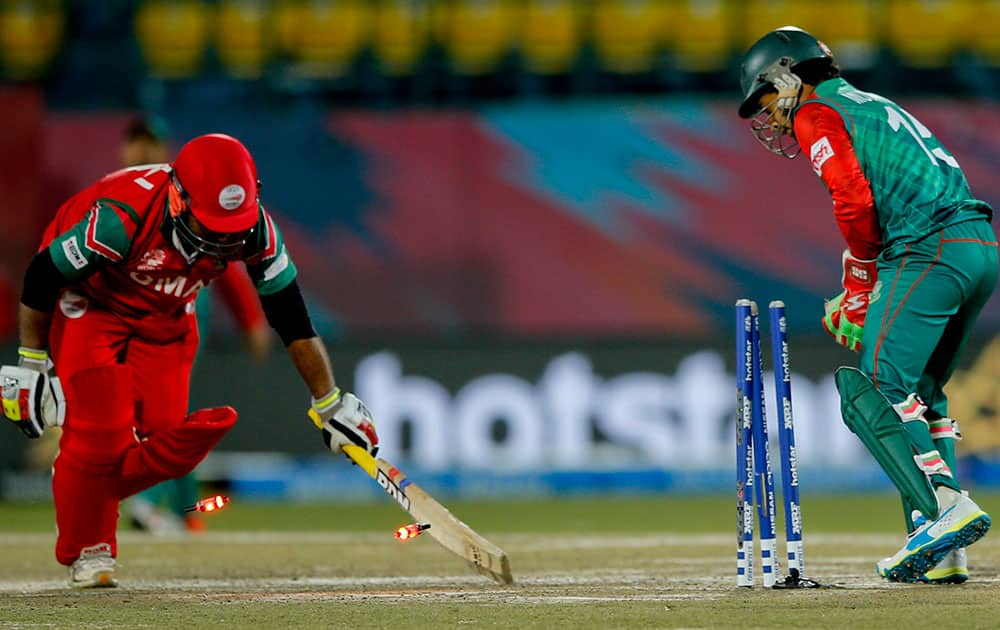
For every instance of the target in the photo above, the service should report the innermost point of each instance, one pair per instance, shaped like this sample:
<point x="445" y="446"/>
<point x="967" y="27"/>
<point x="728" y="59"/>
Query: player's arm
<point x="340" y="415"/>
<point x="35" y="400"/>
<point x="240" y="297"/>
<point x="821" y="130"/>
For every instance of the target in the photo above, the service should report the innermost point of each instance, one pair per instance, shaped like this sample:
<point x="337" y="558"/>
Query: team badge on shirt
<point x="819" y="153"/>
<point x="153" y="259"/>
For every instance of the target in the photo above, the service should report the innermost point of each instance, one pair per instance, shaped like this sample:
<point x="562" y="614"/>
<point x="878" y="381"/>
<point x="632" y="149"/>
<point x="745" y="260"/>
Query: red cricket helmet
<point x="219" y="177"/>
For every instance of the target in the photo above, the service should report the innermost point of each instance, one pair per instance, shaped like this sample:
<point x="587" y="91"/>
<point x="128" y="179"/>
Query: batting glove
<point x="845" y="314"/>
<point x="344" y="420"/>
<point x="789" y="87"/>
<point x="32" y="400"/>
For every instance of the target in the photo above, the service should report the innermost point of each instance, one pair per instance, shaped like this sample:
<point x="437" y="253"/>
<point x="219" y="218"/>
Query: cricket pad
<point x="869" y="415"/>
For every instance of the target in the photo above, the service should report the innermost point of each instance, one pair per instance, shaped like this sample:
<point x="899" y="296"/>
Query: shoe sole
<point x="101" y="580"/>
<point x="957" y="577"/>
<point x="915" y="565"/>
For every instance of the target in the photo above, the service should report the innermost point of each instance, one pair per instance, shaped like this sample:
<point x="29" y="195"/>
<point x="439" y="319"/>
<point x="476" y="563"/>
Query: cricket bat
<point x="450" y="532"/>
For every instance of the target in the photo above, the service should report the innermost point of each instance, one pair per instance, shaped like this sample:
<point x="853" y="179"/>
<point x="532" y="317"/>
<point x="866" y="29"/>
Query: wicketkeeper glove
<point x="344" y="420"/>
<point x="32" y="400"/>
<point x="845" y="314"/>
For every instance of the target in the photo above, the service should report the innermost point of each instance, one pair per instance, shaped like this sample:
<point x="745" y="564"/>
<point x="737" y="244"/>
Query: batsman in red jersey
<point x="109" y="298"/>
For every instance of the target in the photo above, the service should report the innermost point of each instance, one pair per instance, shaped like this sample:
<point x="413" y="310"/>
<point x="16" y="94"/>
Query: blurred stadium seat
<point x="984" y="32"/>
<point x="31" y="33"/>
<point x="927" y="34"/>
<point x="850" y="28"/>
<point x="847" y="26"/>
<point x="761" y="16"/>
<point x="324" y="39"/>
<point x="402" y="36"/>
<point x="241" y="40"/>
<point x="700" y="35"/>
<point x="477" y="35"/>
<point x="551" y="36"/>
<point x="627" y="34"/>
<point x="173" y="36"/>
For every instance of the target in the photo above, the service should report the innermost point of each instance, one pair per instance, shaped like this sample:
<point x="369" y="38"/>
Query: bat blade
<point x="450" y="532"/>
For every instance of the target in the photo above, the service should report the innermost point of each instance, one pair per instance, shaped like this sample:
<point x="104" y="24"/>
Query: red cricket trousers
<point x="127" y="426"/>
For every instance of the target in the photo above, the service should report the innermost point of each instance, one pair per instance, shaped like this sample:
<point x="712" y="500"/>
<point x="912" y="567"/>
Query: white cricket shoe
<point x="953" y="569"/>
<point x="94" y="568"/>
<point x="958" y="526"/>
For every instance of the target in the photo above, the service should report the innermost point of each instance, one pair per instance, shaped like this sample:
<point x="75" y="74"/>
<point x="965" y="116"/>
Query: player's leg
<point x="962" y="253"/>
<point x="172" y="441"/>
<point x="96" y="433"/>
<point x="910" y="319"/>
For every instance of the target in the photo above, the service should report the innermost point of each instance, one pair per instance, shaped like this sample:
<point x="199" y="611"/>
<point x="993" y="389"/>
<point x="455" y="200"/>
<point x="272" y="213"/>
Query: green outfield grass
<point x="644" y="562"/>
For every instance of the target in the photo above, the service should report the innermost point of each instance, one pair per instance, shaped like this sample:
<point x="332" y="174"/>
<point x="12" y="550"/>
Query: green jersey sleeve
<point x="268" y="262"/>
<point x="95" y="241"/>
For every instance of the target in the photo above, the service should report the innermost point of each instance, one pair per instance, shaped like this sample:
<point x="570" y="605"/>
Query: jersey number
<point x="148" y="169"/>
<point x="901" y="118"/>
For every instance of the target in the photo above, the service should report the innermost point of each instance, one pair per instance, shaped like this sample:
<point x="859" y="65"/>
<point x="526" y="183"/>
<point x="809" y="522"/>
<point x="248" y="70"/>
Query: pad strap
<point x="944" y="428"/>
<point x="932" y="463"/>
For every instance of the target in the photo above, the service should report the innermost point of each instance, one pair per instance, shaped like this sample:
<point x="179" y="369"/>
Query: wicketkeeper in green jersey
<point x="921" y="261"/>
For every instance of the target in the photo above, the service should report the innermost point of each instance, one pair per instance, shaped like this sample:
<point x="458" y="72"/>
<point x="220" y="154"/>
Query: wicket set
<point x="754" y="477"/>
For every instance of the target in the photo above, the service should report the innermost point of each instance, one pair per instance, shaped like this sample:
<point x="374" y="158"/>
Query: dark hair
<point x="815" y="71"/>
<point x="143" y="128"/>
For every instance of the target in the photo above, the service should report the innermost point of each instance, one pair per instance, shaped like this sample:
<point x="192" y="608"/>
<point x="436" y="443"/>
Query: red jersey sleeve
<point x="821" y="132"/>
<point x="240" y="297"/>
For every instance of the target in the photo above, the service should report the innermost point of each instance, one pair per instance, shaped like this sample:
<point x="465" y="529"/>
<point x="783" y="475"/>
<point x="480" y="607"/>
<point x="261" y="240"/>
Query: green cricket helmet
<point x="777" y="63"/>
<point x="778" y="52"/>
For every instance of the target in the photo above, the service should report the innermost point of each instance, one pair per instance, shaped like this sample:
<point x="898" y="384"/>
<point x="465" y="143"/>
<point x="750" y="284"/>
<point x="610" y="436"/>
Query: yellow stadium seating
<point x="31" y="34"/>
<point x="984" y="33"/>
<point x="324" y="38"/>
<point x="477" y="35"/>
<point x="850" y="29"/>
<point x="173" y="36"/>
<point x="700" y="35"/>
<point x="402" y="35"/>
<point x="551" y="35"/>
<point x="627" y="34"/>
<point x="847" y="26"/>
<point x="241" y="40"/>
<point x="761" y="16"/>
<point x="927" y="33"/>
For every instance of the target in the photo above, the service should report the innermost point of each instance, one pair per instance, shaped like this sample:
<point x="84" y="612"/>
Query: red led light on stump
<point x="407" y="532"/>
<point x="210" y="504"/>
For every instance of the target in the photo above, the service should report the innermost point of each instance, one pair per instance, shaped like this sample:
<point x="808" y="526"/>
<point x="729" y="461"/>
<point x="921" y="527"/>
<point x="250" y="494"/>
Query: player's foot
<point x="94" y="568"/>
<point x="953" y="569"/>
<point x="958" y="526"/>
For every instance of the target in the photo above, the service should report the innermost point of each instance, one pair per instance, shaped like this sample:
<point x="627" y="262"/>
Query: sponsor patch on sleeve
<point x="280" y="264"/>
<point x="819" y="153"/>
<point x="73" y="253"/>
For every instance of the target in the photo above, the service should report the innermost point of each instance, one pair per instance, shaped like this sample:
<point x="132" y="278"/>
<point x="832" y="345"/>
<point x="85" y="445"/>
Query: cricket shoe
<point x="953" y="569"/>
<point x="958" y="526"/>
<point x="95" y="568"/>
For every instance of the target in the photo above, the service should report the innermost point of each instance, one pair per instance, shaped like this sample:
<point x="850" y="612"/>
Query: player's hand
<point x="32" y="399"/>
<point x="845" y="314"/>
<point x="789" y="87"/>
<point x="344" y="420"/>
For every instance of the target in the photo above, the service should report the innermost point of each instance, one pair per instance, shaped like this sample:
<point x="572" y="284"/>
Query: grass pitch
<point x="597" y="563"/>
